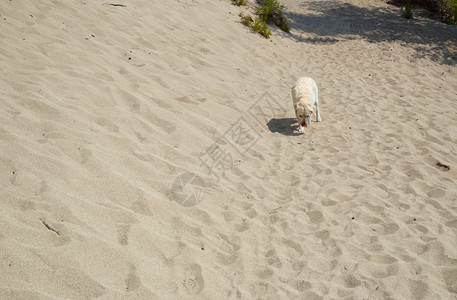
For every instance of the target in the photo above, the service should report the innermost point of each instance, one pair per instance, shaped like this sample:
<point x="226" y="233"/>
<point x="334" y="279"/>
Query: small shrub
<point x="239" y="2"/>
<point x="258" y="25"/>
<point x="271" y="12"/>
<point x="445" y="10"/>
<point x="408" y="11"/>
<point x="455" y="12"/>
<point x="246" y="20"/>
<point x="285" y="25"/>
<point x="261" y="27"/>
<point x="449" y="11"/>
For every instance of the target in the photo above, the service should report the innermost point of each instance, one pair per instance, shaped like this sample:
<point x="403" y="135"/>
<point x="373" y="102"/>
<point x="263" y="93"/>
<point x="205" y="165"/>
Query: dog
<point x="306" y="102"/>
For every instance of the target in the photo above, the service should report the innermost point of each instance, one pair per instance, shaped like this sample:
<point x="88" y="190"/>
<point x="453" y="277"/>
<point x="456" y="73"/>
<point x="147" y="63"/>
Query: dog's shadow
<point x="285" y="126"/>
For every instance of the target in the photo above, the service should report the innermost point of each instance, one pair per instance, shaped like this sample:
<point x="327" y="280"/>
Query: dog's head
<point x="304" y="114"/>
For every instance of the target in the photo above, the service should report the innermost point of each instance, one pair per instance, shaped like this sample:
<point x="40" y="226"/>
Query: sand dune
<point x="150" y="150"/>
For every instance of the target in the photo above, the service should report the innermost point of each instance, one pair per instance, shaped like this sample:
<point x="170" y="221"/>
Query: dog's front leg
<point x="318" y="115"/>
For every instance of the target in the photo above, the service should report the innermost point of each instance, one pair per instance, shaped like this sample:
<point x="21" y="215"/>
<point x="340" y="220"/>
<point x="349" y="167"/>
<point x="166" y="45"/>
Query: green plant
<point x="285" y="25"/>
<point x="246" y="20"/>
<point x="408" y="11"/>
<point x="268" y="9"/>
<point x="455" y="12"/>
<point x="271" y="12"/>
<point x="239" y="2"/>
<point x="449" y="11"/>
<point x="258" y="25"/>
<point x="261" y="27"/>
<point x="445" y="10"/>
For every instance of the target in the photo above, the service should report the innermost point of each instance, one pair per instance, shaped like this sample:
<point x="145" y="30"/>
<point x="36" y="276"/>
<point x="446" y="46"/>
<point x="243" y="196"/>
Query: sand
<point x="150" y="151"/>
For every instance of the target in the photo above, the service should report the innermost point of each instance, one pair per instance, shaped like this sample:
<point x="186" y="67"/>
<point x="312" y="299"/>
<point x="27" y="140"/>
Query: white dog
<point x="306" y="102"/>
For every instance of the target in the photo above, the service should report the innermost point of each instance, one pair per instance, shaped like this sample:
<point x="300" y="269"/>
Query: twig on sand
<point x="439" y="164"/>
<point x="49" y="227"/>
<point x="115" y="4"/>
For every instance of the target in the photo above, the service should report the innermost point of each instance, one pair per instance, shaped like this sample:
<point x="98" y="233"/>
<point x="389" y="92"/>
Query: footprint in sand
<point x="123" y="233"/>
<point x="227" y="248"/>
<point x="107" y="124"/>
<point x="193" y="282"/>
<point x="132" y="282"/>
<point x="27" y="180"/>
<point x="450" y="277"/>
<point x="272" y="259"/>
<point x="85" y="155"/>
<point x="418" y="288"/>
<point x="261" y="289"/>
<point x="141" y="206"/>
<point x="191" y="100"/>
<point x="132" y="102"/>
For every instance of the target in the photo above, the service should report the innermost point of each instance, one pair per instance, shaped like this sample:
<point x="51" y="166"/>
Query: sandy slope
<point x="106" y="110"/>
